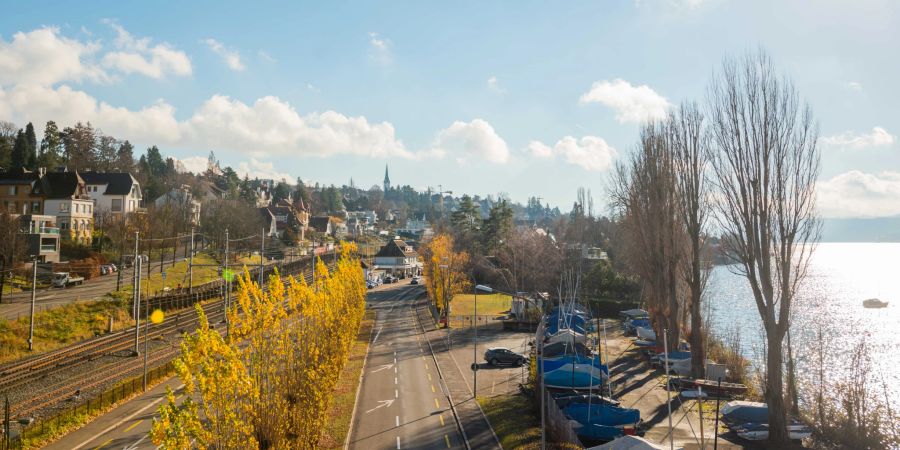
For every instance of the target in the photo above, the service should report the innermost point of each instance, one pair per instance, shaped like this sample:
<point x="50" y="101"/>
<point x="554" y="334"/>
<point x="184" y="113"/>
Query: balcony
<point x="46" y="230"/>
<point x="48" y="248"/>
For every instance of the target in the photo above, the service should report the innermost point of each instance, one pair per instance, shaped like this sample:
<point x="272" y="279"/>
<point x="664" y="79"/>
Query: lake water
<point x="841" y="276"/>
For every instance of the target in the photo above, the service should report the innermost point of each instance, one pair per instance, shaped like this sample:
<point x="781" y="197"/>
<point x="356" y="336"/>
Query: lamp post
<point x="446" y="277"/>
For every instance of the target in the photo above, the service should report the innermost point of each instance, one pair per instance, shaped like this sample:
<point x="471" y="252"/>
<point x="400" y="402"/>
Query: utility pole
<point x="191" y="265"/>
<point x="137" y="307"/>
<point x="146" y="340"/>
<point x="227" y="286"/>
<point x="134" y="284"/>
<point x="262" y="251"/>
<point x="121" y="259"/>
<point x="33" y="292"/>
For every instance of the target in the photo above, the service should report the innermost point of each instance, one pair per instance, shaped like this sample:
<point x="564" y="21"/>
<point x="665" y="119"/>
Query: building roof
<point x="397" y="248"/>
<point x="18" y="176"/>
<point x="60" y="185"/>
<point x="117" y="183"/>
<point x="320" y="223"/>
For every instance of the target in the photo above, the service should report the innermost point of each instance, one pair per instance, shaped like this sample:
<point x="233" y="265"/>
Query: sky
<point x="519" y="98"/>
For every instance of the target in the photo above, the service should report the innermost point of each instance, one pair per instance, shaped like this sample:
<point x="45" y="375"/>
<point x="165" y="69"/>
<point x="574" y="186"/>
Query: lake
<point x="841" y="276"/>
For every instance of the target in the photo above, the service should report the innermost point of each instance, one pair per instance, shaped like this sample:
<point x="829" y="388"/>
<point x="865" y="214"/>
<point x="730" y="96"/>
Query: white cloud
<point x="262" y="170"/>
<point x="138" y="56"/>
<point x="879" y="137"/>
<point x="269" y="126"/>
<point x="854" y="86"/>
<point x="631" y="103"/>
<point x="44" y="57"/>
<point x="494" y="85"/>
<point x="590" y="152"/>
<point x="859" y="194"/>
<point x="265" y="56"/>
<point x="194" y="164"/>
<point x="230" y="56"/>
<point x="476" y="138"/>
<point x="380" y="48"/>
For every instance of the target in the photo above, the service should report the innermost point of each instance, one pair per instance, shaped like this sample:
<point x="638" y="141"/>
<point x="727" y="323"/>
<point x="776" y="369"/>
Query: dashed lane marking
<point x="432" y="388"/>
<point x="396" y="393"/>
<point x="436" y="404"/>
<point x="442" y="419"/>
<point x="133" y="425"/>
<point x="429" y="376"/>
<point x="398" y="441"/>
<point x="447" y="440"/>
<point x="103" y="444"/>
<point x="397" y="420"/>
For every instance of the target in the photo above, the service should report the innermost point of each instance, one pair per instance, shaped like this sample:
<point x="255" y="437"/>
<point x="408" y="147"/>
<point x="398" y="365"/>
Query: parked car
<point x="65" y="279"/>
<point x="501" y="355"/>
<point x="113" y="267"/>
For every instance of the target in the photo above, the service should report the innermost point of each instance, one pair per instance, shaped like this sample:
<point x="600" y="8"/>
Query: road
<point x="401" y="402"/>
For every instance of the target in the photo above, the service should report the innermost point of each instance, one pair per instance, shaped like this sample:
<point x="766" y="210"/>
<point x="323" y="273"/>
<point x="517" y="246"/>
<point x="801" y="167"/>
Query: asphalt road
<point x="401" y="402"/>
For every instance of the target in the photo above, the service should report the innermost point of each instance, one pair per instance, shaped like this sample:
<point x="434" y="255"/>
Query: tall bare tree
<point x="691" y="160"/>
<point x="766" y="165"/>
<point x="645" y="193"/>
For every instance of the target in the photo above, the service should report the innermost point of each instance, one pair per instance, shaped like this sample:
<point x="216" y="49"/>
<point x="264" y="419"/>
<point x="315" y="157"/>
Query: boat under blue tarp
<point x="573" y="372"/>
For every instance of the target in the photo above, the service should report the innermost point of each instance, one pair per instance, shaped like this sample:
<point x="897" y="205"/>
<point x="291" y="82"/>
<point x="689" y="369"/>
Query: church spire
<point x="387" y="179"/>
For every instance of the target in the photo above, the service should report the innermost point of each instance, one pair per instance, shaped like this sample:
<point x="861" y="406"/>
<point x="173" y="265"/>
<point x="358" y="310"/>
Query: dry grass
<point x="514" y="420"/>
<point x="488" y="304"/>
<point x="338" y="426"/>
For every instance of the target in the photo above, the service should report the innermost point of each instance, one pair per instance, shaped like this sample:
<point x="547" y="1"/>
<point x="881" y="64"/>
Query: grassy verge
<point x="514" y="421"/>
<point x="206" y="269"/>
<point x="492" y="304"/>
<point x="60" y="326"/>
<point x="336" y="430"/>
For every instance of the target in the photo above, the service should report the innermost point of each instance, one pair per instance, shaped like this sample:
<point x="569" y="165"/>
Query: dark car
<point x="500" y="355"/>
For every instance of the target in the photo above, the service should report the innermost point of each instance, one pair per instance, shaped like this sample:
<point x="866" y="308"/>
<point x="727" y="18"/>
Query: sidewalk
<point x="477" y="429"/>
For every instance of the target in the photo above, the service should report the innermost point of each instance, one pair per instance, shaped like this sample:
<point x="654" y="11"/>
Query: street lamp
<point x="446" y="269"/>
<point x="490" y="290"/>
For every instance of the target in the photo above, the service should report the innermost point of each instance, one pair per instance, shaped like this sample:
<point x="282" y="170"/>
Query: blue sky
<point x="526" y="98"/>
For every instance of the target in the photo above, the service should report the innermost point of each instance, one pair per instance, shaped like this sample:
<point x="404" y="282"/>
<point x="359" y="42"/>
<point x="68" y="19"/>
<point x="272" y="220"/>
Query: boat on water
<point x="874" y="303"/>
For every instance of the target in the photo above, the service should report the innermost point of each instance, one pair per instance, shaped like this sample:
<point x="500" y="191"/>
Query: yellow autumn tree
<point x="288" y="343"/>
<point x="445" y="271"/>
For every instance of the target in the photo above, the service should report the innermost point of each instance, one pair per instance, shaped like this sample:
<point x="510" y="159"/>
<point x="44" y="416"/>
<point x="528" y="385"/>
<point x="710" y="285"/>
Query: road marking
<point x="493" y="383"/>
<point x="103" y="444"/>
<point x="447" y="440"/>
<point x="395" y="370"/>
<point x="442" y="419"/>
<point x="432" y="388"/>
<point x="397" y="420"/>
<point x="131" y="416"/>
<point x="384" y="367"/>
<point x="395" y="360"/>
<point x="396" y="394"/>
<point x="398" y="441"/>
<point x="378" y="333"/>
<point x="381" y="403"/>
<point x="426" y="366"/>
<point x="429" y="376"/>
<point x="133" y="425"/>
<point x="436" y="404"/>
<point x="395" y="380"/>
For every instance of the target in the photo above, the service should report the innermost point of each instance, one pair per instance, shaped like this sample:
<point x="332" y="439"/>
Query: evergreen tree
<point x="79" y="143"/>
<point x="20" y="151"/>
<point x="125" y="157"/>
<point x="51" y="151"/>
<point x="31" y="147"/>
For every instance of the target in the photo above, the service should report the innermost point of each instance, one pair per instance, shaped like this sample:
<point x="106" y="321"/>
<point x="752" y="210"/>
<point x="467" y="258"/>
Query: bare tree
<point x="691" y="160"/>
<point x="644" y="191"/>
<point x="766" y="166"/>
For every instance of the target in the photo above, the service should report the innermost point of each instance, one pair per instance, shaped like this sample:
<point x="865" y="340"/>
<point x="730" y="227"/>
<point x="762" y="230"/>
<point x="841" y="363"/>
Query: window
<point x="63" y="207"/>
<point x="35" y="207"/>
<point x="77" y="208"/>
<point x="64" y="225"/>
<point x="13" y="190"/>
<point x="117" y="204"/>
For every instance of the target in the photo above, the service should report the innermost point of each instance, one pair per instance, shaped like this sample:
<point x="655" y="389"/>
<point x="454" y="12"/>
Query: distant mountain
<point x="882" y="229"/>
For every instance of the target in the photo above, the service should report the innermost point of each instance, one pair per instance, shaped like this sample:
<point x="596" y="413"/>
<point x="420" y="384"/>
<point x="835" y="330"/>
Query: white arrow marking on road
<point x="384" y="367"/>
<point x="381" y="403"/>
<point x="378" y="333"/>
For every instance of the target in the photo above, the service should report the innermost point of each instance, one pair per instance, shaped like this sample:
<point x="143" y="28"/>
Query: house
<point x="65" y="196"/>
<point x="16" y="192"/>
<point x="270" y="222"/>
<point x="182" y="200"/>
<point x="398" y="258"/>
<point x="41" y="236"/>
<point x="321" y="224"/>
<point x="116" y="192"/>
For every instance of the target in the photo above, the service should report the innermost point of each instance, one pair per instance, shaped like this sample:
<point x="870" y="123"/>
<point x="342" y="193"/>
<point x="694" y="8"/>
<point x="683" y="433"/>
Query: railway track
<point x="14" y="376"/>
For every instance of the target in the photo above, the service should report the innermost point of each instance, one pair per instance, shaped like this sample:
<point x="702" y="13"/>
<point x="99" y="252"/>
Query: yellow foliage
<point x="444" y="271"/>
<point x="269" y="384"/>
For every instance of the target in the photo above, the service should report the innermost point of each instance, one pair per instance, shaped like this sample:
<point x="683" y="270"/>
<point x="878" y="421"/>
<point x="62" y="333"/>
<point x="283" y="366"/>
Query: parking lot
<point x="492" y="380"/>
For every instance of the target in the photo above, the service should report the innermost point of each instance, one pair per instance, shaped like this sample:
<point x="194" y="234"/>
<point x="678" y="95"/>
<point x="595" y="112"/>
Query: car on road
<point x="502" y="355"/>
<point x="388" y="279"/>
<point x="414" y="280"/>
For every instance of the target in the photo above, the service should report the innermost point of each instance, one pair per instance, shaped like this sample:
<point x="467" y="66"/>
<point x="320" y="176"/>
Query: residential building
<point x="182" y="199"/>
<point x="16" y="192"/>
<point x="116" y="192"/>
<point x="271" y="224"/>
<point x="65" y="196"/>
<point x="41" y="237"/>
<point x="398" y="258"/>
<point x="321" y="224"/>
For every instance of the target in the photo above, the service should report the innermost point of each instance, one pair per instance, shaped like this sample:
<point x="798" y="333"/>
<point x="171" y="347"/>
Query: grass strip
<point x="335" y="432"/>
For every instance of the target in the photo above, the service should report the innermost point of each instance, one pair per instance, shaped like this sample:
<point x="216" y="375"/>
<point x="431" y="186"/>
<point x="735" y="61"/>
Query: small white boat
<point x="645" y="334"/>
<point x="760" y="431"/>
<point x="874" y="303"/>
